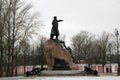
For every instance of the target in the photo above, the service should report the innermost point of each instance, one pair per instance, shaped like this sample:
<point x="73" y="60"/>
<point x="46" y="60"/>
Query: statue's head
<point x="55" y="17"/>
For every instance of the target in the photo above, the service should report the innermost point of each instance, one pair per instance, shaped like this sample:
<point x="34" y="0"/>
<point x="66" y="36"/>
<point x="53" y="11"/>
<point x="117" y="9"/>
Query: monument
<point x="58" y="56"/>
<point x="54" y="30"/>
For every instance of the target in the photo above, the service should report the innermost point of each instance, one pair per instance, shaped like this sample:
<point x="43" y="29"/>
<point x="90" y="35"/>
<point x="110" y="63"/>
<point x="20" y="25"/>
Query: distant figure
<point x="54" y="30"/>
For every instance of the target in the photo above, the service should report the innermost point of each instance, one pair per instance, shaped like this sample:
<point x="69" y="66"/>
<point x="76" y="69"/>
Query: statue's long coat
<point x="54" y="29"/>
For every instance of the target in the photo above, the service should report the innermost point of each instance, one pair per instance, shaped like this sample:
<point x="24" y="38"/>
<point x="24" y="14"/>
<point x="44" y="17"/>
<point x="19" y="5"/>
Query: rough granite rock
<point x="54" y="50"/>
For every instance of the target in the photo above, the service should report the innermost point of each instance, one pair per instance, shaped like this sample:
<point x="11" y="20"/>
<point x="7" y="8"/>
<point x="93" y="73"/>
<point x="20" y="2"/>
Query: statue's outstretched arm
<point x="59" y="20"/>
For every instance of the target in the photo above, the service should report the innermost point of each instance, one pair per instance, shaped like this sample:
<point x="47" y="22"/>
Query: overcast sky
<point x="95" y="16"/>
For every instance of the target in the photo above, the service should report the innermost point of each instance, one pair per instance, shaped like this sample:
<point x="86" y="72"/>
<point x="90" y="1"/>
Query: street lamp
<point x="110" y="56"/>
<point x="117" y="34"/>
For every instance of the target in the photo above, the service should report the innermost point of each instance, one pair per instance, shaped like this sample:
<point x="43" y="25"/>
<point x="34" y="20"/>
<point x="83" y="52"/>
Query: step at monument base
<point x="58" y="72"/>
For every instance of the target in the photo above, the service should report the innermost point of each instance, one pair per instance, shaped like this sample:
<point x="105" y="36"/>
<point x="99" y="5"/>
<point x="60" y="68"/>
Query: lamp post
<point x="110" y="56"/>
<point x="117" y="34"/>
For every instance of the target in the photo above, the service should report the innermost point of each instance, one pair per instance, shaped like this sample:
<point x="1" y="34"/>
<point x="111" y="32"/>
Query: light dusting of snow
<point x="64" y="78"/>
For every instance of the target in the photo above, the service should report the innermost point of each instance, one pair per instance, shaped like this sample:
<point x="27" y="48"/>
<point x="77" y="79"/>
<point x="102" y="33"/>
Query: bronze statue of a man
<point x="54" y="30"/>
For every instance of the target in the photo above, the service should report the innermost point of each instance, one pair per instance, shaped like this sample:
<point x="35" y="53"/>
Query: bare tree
<point x="1" y="39"/>
<point x="103" y="42"/>
<point x="40" y="51"/>
<point x="90" y="48"/>
<point x="81" y="44"/>
<point x="17" y="25"/>
<point x="26" y="50"/>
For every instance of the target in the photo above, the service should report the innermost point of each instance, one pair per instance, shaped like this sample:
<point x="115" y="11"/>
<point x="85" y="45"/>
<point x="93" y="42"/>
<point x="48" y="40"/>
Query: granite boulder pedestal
<point x="57" y="56"/>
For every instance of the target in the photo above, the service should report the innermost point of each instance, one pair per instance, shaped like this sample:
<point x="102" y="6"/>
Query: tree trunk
<point x="13" y="37"/>
<point x="103" y="68"/>
<point x="24" y="63"/>
<point x="15" y="66"/>
<point x="9" y="48"/>
<point x="1" y="43"/>
<point x="1" y="57"/>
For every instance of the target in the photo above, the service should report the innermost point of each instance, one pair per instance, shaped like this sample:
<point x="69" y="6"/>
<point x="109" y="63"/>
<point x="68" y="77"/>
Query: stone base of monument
<point x="60" y="65"/>
<point x="61" y="73"/>
<point x="59" y="59"/>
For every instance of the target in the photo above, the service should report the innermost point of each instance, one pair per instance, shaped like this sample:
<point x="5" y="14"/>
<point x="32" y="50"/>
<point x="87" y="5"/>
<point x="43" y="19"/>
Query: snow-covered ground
<point x="64" y="78"/>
